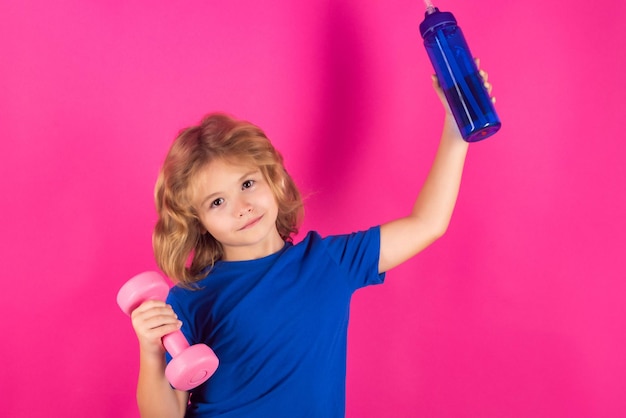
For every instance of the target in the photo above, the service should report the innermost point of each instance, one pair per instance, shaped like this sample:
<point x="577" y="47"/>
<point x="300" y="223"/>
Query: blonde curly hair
<point x="182" y="247"/>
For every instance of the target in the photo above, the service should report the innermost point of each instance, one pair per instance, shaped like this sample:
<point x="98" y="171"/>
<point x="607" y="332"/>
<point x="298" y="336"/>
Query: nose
<point x="245" y="208"/>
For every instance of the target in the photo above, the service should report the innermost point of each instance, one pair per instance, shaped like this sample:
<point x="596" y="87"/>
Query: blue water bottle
<point x="458" y="75"/>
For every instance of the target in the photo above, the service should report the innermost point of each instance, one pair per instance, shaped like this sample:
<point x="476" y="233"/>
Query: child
<point x="274" y="312"/>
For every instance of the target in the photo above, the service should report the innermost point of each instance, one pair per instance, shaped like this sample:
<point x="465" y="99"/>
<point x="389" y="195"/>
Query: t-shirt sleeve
<point x="358" y="254"/>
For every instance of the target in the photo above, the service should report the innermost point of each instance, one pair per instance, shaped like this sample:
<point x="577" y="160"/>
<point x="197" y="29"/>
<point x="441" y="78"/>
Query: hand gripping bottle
<point x="458" y="75"/>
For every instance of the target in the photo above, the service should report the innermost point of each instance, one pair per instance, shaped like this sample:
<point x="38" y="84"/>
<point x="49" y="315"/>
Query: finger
<point x="477" y="61"/>
<point x="152" y="339"/>
<point x="156" y="319"/>
<point x="162" y="329"/>
<point x="149" y="304"/>
<point x="484" y="75"/>
<point x="155" y="316"/>
<point x="156" y="327"/>
<point x="435" y="80"/>
<point x="488" y="86"/>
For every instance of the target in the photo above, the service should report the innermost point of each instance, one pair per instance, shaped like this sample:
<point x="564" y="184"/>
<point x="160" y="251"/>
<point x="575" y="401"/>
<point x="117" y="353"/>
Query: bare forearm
<point x="437" y="198"/>
<point x="155" y="396"/>
<point x="405" y="237"/>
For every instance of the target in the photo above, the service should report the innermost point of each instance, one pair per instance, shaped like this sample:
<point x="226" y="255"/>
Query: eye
<point x="247" y="184"/>
<point x="217" y="202"/>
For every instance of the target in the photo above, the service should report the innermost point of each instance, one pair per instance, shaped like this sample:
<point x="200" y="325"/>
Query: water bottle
<point x="458" y="75"/>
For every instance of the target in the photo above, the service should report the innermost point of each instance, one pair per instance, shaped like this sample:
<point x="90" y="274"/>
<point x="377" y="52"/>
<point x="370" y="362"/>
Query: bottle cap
<point x="436" y="20"/>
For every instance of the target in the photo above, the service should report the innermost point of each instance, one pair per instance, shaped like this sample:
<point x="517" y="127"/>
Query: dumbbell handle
<point x="175" y="343"/>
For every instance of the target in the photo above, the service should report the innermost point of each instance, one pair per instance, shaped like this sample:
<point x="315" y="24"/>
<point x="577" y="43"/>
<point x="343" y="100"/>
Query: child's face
<point x="237" y="207"/>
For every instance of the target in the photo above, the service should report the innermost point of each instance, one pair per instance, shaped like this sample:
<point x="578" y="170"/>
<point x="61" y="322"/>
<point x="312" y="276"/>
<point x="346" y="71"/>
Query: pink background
<point x="518" y="311"/>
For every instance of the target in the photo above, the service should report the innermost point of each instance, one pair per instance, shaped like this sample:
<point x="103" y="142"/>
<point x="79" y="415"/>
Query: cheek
<point x="268" y="197"/>
<point x="269" y="203"/>
<point x="212" y="223"/>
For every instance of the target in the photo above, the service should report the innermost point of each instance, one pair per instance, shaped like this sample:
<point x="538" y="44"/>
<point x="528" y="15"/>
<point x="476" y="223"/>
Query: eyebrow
<point x="241" y="179"/>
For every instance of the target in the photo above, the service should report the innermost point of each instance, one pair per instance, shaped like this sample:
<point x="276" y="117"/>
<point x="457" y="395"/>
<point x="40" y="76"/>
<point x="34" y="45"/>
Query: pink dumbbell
<point x="190" y="365"/>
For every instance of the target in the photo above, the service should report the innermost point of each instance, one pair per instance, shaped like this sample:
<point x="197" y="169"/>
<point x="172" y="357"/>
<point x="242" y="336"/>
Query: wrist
<point x="450" y="127"/>
<point x="152" y="356"/>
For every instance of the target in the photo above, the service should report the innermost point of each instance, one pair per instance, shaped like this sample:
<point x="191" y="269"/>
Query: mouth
<point x="251" y="223"/>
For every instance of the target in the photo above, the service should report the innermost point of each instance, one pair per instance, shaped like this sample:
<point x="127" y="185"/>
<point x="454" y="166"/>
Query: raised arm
<point x="403" y="238"/>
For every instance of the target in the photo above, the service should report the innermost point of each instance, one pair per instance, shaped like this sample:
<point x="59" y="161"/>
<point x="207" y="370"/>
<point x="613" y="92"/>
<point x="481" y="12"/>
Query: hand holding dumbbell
<point x="190" y="365"/>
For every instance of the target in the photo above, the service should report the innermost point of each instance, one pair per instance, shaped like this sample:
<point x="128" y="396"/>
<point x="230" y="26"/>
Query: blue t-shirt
<point x="279" y="326"/>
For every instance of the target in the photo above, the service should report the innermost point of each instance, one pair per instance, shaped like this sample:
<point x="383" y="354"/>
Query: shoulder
<point x="316" y="237"/>
<point x="339" y="245"/>
<point x="353" y="256"/>
<point x="178" y="294"/>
